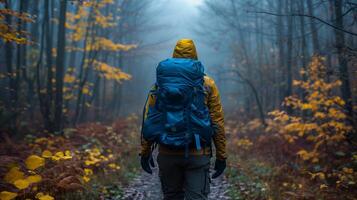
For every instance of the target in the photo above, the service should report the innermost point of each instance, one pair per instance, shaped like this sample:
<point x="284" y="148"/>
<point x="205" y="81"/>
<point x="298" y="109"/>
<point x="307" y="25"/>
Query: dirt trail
<point x="147" y="187"/>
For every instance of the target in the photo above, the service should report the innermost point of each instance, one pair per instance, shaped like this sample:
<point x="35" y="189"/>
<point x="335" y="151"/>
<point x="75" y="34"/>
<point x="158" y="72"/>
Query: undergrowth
<point x="90" y="161"/>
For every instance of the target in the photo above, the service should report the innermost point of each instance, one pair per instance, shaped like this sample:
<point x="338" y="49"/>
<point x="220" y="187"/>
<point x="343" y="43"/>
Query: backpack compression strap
<point x="197" y="141"/>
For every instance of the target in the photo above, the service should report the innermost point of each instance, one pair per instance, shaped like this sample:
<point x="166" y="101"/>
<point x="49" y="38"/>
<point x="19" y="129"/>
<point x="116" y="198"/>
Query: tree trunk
<point x="314" y="32"/>
<point x="281" y="49"/>
<point x="19" y="59"/>
<point x="60" y="65"/>
<point x="12" y="83"/>
<point x="49" y="96"/>
<point x="342" y="59"/>
<point x="303" y="38"/>
<point x="289" y="8"/>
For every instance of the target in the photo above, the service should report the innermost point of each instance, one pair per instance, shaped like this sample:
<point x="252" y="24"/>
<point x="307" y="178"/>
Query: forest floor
<point x="90" y="161"/>
<point x="100" y="161"/>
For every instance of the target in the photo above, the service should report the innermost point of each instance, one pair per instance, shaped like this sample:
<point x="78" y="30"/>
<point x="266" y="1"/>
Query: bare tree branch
<point x="305" y="15"/>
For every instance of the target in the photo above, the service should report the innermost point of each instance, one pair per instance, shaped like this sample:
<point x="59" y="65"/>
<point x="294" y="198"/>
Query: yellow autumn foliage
<point x="114" y="166"/>
<point x="347" y="170"/>
<point x="41" y="140"/>
<point x="42" y="196"/>
<point x="105" y="44"/>
<point x="69" y="78"/>
<point x="326" y="122"/>
<point x="12" y="33"/>
<point x="21" y="184"/>
<point x="111" y="72"/>
<point x="305" y="155"/>
<point x="85" y="90"/>
<point x="46" y="154"/>
<point x="34" y="179"/>
<point x="13" y="174"/>
<point x="60" y="155"/>
<point x="60" y="176"/>
<point x="88" y="171"/>
<point x="244" y="143"/>
<point x="5" y="195"/>
<point x="33" y="162"/>
<point x="86" y="179"/>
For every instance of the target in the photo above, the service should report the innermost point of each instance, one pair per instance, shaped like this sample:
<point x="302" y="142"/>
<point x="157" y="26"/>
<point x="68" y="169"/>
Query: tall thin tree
<point x="61" y="42"/>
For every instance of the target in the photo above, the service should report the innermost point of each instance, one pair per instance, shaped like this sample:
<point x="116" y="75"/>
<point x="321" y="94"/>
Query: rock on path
<point x="148" y="187"/>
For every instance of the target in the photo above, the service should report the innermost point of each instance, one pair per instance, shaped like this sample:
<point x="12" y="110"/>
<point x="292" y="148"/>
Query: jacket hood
<point x="185" y="48"/>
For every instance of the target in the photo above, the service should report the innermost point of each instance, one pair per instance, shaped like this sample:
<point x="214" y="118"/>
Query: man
<point x="183" y="172"/>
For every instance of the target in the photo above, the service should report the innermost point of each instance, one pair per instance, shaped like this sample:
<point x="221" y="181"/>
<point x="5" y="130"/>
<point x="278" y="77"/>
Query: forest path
<point x="148" y="187"/>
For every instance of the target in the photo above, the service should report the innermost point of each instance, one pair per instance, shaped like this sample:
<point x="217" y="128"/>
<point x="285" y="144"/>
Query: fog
<point x="75" y="75"/>
<point x="173" y="20"/>
<point x="254" y="50"/>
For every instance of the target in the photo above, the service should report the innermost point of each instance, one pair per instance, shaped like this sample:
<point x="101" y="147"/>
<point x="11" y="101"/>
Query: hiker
<point x="182" y="115"/>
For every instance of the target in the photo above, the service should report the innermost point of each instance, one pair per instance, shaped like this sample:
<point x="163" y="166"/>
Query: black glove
<point x="146" y="162"/>
<point x="219" y="167"/>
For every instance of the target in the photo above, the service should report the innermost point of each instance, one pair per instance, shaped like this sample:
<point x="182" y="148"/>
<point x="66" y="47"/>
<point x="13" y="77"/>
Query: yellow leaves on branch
<point x="5" y="195"/>
<point x="305" y="155"/>
<point x="16" y="177"/>
<point x="26" y="17"/>
<point x="319" y="175"/>
<point x="68" y="78"/>
<point x="13" y="175"/>
<point x="105" y="44"/>
<point x="34" y="178"/>
<point x="33" y="162"/>
<point x="98" y="4"/>
<point x="323" y="186"/>
<point x="46" y="154"/>
<point x="89" y="14"/>
<point x="11" y="36"/>
<point x="114" y="166"/>
<point x="88" y="172"/>
<point x="62" y="156"/>
<point x="104" y="21"/>
<point x="85" y="90"/>
<point x="347" y="170"/>
<point x="324" y="122"/>
<point x="42" y="196"/>
<point x="10" y="33"/>
<point x="244" y="143"/>
<point x="93" y="157"/>
<point x="86" y="179"/>
<point x="104" y="2"/>
<point x="111" y="72"/>
<point x="21" y="184"/>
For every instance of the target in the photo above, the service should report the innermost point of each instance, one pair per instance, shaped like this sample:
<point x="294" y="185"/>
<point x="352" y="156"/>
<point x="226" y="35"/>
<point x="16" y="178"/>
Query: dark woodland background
<point x="74" y="76"/>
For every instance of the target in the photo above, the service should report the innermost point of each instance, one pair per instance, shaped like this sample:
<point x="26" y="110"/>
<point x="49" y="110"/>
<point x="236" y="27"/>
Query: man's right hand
<point x="145" y="163"/>
<point x="219" y="167"/>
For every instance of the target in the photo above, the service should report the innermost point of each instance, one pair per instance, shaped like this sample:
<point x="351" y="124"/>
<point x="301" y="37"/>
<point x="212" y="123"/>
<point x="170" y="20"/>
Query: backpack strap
<point x="196" y="135"/>
<point x="197" y="141"/>
<point x="151" y="92"/>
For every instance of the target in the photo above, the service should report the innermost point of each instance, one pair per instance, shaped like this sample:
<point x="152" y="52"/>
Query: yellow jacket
<point x="185" y="48"/>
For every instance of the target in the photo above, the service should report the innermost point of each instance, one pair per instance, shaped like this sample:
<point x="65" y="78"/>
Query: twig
<point x="305" y="15"/>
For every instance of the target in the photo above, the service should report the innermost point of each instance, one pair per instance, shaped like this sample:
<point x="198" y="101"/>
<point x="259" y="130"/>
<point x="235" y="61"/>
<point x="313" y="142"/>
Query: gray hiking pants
<point x="184" y="178"/>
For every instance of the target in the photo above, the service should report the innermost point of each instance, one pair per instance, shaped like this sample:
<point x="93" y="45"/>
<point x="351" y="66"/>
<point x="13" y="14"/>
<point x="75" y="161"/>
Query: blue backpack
<point x="180" y="115"/>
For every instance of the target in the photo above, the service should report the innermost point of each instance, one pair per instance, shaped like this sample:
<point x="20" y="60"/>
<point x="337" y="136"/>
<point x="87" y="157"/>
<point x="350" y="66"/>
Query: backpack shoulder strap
<point x="151" y="92"/>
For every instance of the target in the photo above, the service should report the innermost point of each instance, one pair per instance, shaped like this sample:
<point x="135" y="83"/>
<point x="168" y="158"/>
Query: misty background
<point x="253" y="50"/>
<point x="173" y="19"/>
<point x="75" y="74"/>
